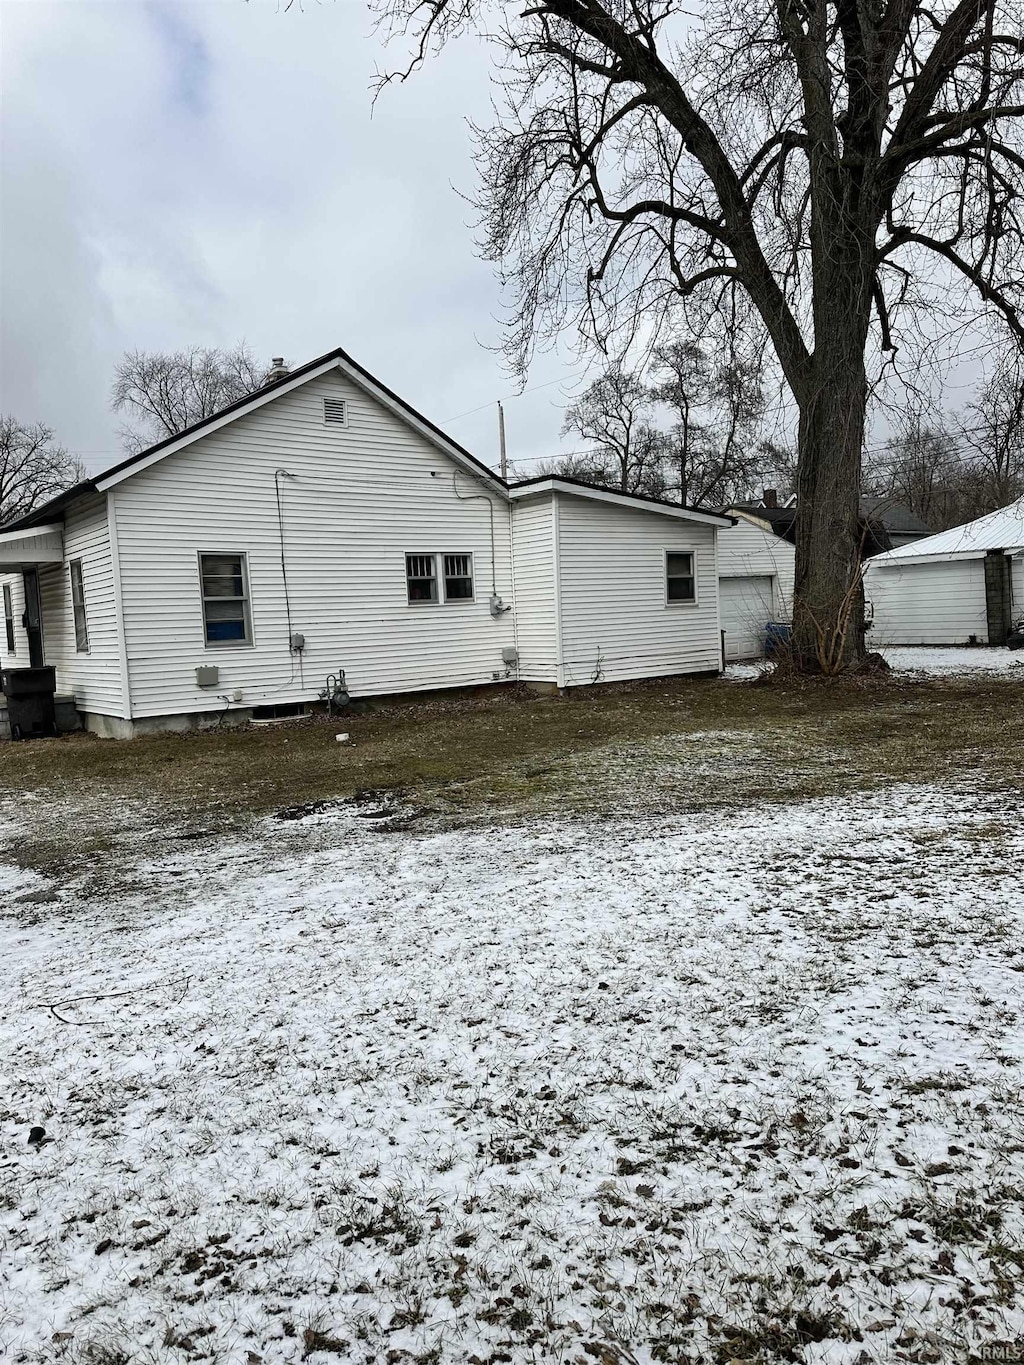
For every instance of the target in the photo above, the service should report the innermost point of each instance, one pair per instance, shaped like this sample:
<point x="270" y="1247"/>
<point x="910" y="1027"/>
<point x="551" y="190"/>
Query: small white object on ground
<point x="342" y="739"/>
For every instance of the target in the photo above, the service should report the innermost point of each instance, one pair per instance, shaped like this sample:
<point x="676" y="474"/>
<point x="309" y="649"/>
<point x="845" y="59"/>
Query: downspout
<point x="515" y="594"/>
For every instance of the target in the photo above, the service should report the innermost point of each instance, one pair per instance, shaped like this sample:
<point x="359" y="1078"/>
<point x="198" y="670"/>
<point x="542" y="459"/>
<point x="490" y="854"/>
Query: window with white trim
<point x="458" y="578"/>
<point x="680" y="578"/>
<point x="440" y="578"/>
<point x="78" y="606"/>
<point x="421" y="578"/>
<point x="225" y="587"/>
<point x="9" y="617"/>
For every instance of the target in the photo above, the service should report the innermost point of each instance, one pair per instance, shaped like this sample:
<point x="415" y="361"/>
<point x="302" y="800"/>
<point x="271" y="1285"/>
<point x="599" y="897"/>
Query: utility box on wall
<point x="207" y="675"/>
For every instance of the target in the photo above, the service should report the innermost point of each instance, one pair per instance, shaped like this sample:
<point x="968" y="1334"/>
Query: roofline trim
<point x="894" y="560"/>
<point x="553" y="483"/>
<point x="29" y="532"/>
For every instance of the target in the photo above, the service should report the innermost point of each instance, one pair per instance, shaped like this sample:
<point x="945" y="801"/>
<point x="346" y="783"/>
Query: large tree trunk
<point x="828" y="604"/>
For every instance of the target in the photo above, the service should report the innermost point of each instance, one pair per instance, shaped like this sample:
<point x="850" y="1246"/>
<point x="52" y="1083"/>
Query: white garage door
<point x="747" y="607"/>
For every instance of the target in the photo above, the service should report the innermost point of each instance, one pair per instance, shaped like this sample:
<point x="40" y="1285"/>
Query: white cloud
<point x="201" y="172"/>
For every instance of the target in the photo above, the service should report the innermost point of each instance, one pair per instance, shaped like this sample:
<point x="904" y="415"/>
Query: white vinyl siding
<point x="363" y="496"/>
<point x="1017" y="585"/>
<point x="942" y="603"/>
<point x="536" y="617"/>
<point x="615" y="620"/>
<point x="93" y="678"/>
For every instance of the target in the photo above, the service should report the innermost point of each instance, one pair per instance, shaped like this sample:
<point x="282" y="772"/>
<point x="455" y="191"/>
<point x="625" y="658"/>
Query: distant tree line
<point x="952" y="469"/>
<point x="694" y="427"/>
<point x="689" y="428"/>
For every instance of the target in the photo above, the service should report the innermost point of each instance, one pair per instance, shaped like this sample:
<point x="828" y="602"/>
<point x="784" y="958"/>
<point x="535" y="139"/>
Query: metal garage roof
<point x="1002" y="530"/>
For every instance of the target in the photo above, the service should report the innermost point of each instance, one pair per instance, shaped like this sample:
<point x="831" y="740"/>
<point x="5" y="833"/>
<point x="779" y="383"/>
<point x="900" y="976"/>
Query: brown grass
<point x="678" y="743"/>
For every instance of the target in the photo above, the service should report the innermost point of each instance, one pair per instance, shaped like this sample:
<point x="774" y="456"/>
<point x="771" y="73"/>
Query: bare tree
<point x="168" y="392"/>
<point x="922" y="468"/>
<point x="615" y="414"/>
<point x="716" y="449"/>
<point x="841" y="164"/>
<point x="992" y="432"/>
<point x="33" y="468"/>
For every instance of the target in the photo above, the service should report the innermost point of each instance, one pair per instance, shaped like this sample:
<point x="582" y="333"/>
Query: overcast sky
<point x="201" y="171"/>
<point x="198" y="171"/>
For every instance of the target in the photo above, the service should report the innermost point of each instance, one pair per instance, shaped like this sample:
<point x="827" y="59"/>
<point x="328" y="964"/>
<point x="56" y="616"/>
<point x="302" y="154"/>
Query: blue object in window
<point x="225" y="630"/>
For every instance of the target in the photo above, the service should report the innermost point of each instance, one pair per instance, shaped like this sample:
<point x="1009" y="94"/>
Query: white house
<point x="322" y="525"/>
<point x="962" y="586"/>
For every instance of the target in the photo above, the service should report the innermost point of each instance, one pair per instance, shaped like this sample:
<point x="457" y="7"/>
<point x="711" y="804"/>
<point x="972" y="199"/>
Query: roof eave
<point x="576" y="488"/>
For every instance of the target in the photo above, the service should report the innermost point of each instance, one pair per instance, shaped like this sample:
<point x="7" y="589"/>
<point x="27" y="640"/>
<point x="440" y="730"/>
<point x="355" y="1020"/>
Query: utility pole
<point x="501" y="441"/>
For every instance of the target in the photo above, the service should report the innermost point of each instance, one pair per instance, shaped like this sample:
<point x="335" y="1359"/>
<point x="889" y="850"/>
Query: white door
<point x="747" y="607"/>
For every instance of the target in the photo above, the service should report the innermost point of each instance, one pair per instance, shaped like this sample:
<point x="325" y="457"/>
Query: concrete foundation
<point x="115" y="727"/>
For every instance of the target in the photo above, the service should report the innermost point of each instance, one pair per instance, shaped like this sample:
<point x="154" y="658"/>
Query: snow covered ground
<point x="934" y="660"/>
<point x="952" y="662"/>
<point x="741" y="1087"/>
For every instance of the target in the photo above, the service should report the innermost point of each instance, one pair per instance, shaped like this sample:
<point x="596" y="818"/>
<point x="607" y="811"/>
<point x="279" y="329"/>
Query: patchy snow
<point x="936" y="660"/>
<point x="745" y="1085"/>
<point x="954" y="661"/>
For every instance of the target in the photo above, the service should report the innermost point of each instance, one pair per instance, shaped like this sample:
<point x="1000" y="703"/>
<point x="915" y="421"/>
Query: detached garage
<point x="756" y="565"/>
<point x="960" y="587"/>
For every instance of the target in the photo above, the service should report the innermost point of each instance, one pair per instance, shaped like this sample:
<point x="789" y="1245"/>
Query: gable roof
<point x="894" y="517"/>
<point x="999" y="530"/>
<point x="333" y="360"/>
<point x="555" y="483"/>
<point x="782" y="520"/>
<point x="897" y="518"/>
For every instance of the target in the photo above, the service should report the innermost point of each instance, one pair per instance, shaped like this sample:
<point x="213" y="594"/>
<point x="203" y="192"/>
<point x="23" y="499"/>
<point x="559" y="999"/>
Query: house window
<point x="458" y="578"/>
<point x="226" y="616"/>
<point x="680" y="583"/>
<point x="424" y="583"/>
<point x="421" y="577"/>
<point x="9" y="618"/>
<point x="78" y="606"/>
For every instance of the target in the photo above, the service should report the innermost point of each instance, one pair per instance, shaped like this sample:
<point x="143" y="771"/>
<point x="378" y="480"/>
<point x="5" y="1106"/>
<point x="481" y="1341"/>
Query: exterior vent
<point x="335" y="412"/>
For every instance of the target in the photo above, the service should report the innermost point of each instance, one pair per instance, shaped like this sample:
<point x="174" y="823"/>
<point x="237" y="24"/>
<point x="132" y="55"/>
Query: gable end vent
<point x="336" y="412"/>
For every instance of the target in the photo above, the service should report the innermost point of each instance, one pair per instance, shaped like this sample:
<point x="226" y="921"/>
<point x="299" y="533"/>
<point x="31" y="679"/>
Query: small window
<point x="335" y="412"/>
<point x="421" y="577"/>
<point x="458" y="578"/>
<point x="226" y="616"/>
<point x="680" y="583"/>
<point x="78" y="606"/>
<point x="9" y="618"/>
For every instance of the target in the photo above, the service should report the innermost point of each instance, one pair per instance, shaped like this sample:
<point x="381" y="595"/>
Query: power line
<point x="508" y="398"/>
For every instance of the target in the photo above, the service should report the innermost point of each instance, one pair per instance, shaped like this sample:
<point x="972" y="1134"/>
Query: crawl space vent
<point x="336" y="412"/>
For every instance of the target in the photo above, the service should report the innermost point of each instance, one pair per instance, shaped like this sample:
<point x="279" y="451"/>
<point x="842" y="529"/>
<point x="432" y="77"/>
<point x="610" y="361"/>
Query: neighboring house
<point x="893" y="522"/>
<point x="964" y="586"/>
<point x="900" y="524"/>
<point x="321" y="525"/>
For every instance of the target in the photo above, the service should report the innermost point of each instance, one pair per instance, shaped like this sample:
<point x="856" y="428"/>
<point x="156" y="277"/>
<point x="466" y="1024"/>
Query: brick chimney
<point x="770" y="497"/>
<point x="278" y="370"/>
